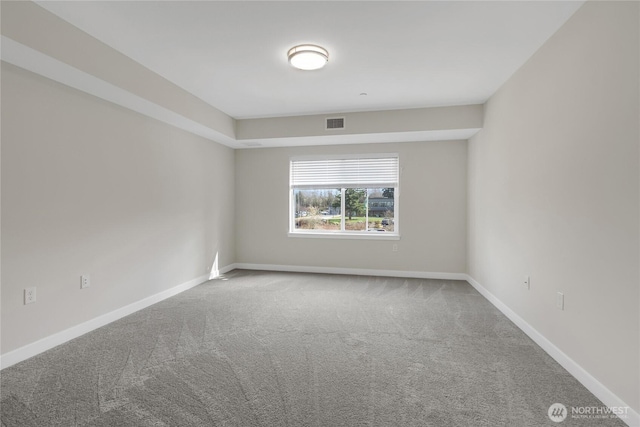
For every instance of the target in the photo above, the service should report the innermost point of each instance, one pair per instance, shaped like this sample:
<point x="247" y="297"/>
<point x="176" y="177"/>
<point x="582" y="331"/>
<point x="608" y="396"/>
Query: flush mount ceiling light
<point x="308" y="57"/>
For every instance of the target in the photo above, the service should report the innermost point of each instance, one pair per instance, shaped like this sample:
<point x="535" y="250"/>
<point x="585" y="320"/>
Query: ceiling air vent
<point x="335" y="123"/>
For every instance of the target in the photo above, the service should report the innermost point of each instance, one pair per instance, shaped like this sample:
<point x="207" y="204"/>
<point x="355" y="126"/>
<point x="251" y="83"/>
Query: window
<point x="353" y="196"/>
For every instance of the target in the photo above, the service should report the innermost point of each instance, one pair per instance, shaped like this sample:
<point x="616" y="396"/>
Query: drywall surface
<point x="432" y="211"/>
<point x="554" y="194"/>
<point x="407" y="120"/>
<point x="91" y="188"/>
<point x="29" y="24"/>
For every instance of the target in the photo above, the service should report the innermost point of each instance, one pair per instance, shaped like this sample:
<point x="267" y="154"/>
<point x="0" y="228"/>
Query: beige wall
<point x="91" y="188"/>
<point x="29" y="24"/>
<point x="553" y="180"/>
<point x="553" y="184"/>
<point x="432" y="211"/>
<point x="366" y="122"/>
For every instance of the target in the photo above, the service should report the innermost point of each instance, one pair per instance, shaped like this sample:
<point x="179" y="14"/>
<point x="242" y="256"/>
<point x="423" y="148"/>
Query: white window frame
<point x="345" y="234"/>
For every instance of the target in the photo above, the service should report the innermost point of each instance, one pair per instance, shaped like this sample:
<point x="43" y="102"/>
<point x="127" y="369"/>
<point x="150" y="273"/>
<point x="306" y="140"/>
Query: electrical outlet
<point x="29" y="295"/>
<point x="560" y="301"/>
<point x="85" y="281"/>
<point x="527" y="282"/>
<point x="394" y="248"/>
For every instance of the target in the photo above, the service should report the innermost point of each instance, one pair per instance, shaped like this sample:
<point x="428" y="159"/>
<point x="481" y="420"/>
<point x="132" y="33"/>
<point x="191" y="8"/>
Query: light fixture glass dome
<point x="308" y="57"/>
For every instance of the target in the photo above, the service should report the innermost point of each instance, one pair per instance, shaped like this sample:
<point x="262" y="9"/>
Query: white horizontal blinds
<point x="345" y="173"/>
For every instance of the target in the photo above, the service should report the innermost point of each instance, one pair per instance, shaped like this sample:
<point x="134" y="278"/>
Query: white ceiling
<point x="402" y="54"/>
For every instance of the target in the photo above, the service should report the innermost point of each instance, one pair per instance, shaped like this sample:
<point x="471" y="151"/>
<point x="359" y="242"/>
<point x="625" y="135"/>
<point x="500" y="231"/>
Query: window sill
<point x="346" y="235"/>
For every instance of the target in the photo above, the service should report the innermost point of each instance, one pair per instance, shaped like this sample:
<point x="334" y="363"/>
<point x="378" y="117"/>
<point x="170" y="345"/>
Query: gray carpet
<point x="285" y="349"/>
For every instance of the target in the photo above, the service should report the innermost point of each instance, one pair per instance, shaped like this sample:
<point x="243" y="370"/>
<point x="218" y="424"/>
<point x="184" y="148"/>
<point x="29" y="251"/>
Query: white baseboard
<point x="586" y="379"/>
<point x="44" y="344"/>
<point x="593" y="385"/>
<point x="352" y="271"/>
